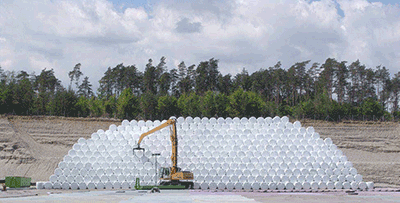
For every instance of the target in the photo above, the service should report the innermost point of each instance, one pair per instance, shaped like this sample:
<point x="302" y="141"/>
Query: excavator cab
<point x="184" y="178"/>
<point x="165" y="172"/>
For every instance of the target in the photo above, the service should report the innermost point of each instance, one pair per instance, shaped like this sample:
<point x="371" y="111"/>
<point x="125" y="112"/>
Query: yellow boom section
<point x="174" y="142"/>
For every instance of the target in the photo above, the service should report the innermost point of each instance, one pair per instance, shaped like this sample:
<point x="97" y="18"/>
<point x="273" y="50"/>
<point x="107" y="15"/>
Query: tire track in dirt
<point x="35" y="149"/>
<point x="46" y="140"/>
<point x="41" y="157"/>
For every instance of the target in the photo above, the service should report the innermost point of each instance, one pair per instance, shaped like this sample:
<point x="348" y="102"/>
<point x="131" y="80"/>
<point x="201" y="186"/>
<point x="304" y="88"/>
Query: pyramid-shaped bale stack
<point x="247" y="153"/>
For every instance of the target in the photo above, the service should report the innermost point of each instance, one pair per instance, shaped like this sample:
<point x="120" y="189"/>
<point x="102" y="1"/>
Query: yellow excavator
<point x="170" y="176"/>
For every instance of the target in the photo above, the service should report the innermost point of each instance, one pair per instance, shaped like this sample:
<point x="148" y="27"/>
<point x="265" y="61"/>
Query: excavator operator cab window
<point x="178" y="169"/>
<point x="164" y="172"/>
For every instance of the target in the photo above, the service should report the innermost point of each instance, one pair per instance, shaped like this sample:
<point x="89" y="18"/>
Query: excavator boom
<point x="174" y="142"/>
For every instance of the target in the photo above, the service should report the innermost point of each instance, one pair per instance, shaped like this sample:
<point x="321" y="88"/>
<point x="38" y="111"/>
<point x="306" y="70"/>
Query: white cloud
<point x="251" y="34"/>
<point x="6" y="63"/>
<point x="372" y="33"/>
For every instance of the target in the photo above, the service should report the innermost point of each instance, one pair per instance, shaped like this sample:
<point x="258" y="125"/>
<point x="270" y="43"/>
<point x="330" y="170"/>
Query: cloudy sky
<point x="253" y="34"/>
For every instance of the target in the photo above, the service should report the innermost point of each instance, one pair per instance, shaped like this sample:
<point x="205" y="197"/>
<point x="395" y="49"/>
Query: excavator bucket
<point x="141" y="156"/>
<point x="138" y="149"/>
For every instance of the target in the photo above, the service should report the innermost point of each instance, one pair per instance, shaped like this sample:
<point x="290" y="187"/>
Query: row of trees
<point x="334" y="88"/>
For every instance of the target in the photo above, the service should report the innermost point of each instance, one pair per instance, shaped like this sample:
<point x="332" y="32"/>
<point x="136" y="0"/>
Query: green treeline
<point x="335" y="88"/>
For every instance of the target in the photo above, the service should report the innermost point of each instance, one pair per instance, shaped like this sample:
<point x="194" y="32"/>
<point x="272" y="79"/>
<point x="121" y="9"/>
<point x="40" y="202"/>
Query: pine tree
<point x="174" y="82"/>
<point x="150" y="78"/>
<point x="186" y="77"/>
<point x="225" y="84"/>
<point x="301" y="77"/>
<point x="132" y="78"/>
<point x="369" y="84"/>
<point x="243" y="80"/>
<point x="382" y="78"/>
<point x="291" y="85"/>
<point x="106" y="85"/>
<point x="46" y="84"/>
<point x="353" y="86"/>
<point x="277" y="79"/>
<point x="25" y="94"/>
<point x="85" y="89"/>
<point x="326" y="79"/>
<point x="207" y="76"/>
<point x="341" y="83"/>
<point x="75" y="74"/>
<point x="313" y="74"/>
<point x="395" y="90"/>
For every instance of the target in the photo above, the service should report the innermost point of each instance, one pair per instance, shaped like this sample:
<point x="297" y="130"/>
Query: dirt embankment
<point x="33" y="146"/>
<point x="372" y="147"/>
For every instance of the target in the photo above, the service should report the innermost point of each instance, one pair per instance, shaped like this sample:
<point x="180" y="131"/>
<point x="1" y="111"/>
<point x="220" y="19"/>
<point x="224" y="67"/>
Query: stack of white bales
<point x="262" y="153"/>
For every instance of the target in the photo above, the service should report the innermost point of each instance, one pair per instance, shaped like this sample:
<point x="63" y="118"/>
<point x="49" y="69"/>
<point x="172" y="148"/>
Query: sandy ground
<point x="373" y="148"/>
<point x="33" y="146"/>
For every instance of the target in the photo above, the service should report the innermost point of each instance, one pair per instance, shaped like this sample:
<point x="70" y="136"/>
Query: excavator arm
<point x="174" y="142"/>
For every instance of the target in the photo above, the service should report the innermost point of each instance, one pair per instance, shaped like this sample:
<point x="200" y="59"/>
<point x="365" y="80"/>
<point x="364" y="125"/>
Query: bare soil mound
<point x="33" y="146"/>
<point x="372" y="147"/>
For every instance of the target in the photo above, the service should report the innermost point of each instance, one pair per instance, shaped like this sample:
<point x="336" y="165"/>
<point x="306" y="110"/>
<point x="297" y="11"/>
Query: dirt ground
<point x="373" y="148"/>
<point x="33" y="146"/>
